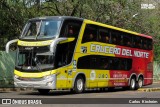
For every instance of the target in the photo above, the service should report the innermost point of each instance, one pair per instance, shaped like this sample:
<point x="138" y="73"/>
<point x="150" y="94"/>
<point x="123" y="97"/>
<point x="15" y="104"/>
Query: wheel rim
<point x="140" y="82"/>
<point x="133" y="83"/>
<point x="79" y="84"/>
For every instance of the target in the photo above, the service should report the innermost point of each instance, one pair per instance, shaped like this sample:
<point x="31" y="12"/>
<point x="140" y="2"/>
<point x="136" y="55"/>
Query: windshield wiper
<point x="37" y="65"/>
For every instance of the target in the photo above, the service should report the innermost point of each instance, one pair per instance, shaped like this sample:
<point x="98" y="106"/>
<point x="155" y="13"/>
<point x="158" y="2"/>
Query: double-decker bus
<point x="62" y="52"/>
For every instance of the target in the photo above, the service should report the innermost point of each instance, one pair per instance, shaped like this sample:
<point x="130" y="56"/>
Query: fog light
<point x="49" y="83"/>
<point x="47" y="77"/>
<point x="15" y="84"/>
<point x="15" y="76"/>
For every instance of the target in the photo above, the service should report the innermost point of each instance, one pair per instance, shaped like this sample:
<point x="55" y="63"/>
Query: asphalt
<point x="149" y="88"/>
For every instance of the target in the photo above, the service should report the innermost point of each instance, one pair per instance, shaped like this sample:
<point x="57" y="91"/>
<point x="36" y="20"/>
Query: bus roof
<point x="90" y="22"/>
<point x="116" y="28"/>
<point x="57" y="18"/>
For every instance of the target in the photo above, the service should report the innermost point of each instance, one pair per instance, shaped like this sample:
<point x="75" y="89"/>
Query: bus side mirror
<point x="9" y="44"/>
<point x="55" y="42"/>
<point x="68" y="40"/>
<point x="59" y="40"/>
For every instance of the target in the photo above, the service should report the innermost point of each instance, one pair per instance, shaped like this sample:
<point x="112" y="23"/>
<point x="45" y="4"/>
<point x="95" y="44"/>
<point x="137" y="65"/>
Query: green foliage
<point x="7" y="63"/>
<point x="121" y="13"/>
<point x="156" y="69"/>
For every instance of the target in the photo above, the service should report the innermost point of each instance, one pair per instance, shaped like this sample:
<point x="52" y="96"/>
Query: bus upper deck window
<point x="104" y="35"/>
<point x="90" y="34"/>
<point x="104" y="38"/>
<point x="137" y="42"/>
<point x="114" y="40"/>
<point x="70" y="31"/>
<point x="144" y="44"/>
<point x="107" y="39"/>
<point x="150" y="44"/>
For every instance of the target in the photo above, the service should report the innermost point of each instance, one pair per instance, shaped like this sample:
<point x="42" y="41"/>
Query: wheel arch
<point x="141" y="75"/>
<point x="131" y="76"/>
<point x="79" y="74"/>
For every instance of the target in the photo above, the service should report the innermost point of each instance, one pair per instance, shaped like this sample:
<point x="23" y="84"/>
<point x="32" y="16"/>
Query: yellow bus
<point x="63" y="52"/>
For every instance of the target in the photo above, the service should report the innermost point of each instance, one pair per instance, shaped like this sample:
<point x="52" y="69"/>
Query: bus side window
<point x="104" y="63"/>
<point x="94" y="63"/>
<point x="137" y="42"/>
<point x="116" y="63"/>
<point x="121" y="41"/>
<point x="90" y="34"/>
<point x="81" y="64"/>
<point x="122" y="64"/>
<point x="114" y="37"/>
<point x="144" y="43"/>
<point x="104" y="35"/>
<point x="70" y="28"/>
<point x="70" y="31"/>
<point x="73" y="30"/>
<point x="140" y="43"/>
<point x="127" y="41"/>
<point x="111" y="66"/>
<point x="150" y="44"/>
<point x="129" y="64"/>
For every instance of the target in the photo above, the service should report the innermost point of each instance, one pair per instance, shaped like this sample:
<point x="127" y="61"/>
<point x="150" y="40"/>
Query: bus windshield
<point x="41" y="29"/>
<point x="34" y="59"/>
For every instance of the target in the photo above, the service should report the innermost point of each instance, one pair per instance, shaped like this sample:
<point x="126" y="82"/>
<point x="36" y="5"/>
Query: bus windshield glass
<point x="41" y="29"/>
<point x="34" y="59"/>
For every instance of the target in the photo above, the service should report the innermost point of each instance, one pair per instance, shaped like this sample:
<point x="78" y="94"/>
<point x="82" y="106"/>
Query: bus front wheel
<point x="43" y="91"/>
<point x="78" y="85"/>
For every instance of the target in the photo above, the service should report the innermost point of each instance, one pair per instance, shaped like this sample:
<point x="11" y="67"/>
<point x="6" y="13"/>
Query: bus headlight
<point x="49" y="83"/>
<point x="47" y="77"/>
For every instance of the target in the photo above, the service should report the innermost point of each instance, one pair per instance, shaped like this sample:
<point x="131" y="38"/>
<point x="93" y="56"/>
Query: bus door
<point x="63" y="59"/>
<point x="70" y="30"/>
<point x="62" y="77"/>
<point x="93" y="72"/>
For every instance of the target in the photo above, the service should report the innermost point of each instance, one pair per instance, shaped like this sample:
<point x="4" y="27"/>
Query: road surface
<point x="94" y="95"/>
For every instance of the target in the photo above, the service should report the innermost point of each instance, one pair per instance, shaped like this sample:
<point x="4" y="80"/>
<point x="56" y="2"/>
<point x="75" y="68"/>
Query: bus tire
<point x="102" y="89"/>
<point x="126" y="88"/>
<point x="140" y="82"/>
<point x="111" y="89"/>
<point x="43" y="91"/>
<point x="133" y="84"/>
<point x="79" y="85"/>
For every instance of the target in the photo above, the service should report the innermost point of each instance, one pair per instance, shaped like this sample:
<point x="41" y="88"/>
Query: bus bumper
<point x="48" y="82"/>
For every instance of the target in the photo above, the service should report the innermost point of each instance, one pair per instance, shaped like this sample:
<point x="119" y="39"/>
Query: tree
<point x="121" y="13"/>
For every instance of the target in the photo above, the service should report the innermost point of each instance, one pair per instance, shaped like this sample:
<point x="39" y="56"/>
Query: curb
<point x="14" y="89"/>
<point x="156" y="82"/>
<point x="149" y="89"/>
